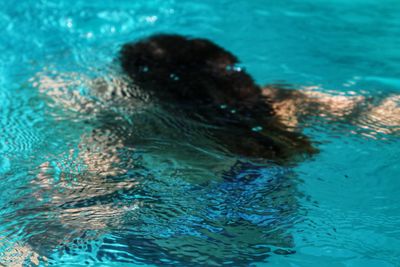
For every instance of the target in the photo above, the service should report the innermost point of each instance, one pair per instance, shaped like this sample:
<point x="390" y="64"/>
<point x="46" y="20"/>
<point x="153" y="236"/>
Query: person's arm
<point x="294" y="107"/>
<point x="77" y="92"/>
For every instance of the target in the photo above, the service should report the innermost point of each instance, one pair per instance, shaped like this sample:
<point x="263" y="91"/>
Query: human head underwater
<point x="203" y="82"/>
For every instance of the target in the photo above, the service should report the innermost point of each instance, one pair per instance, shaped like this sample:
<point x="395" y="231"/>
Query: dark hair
<point x="200" y="77"/>
<point x="187" y="70"/>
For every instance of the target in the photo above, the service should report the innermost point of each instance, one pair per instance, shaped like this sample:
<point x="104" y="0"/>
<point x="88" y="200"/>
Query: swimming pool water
<point x="178" y="199"/>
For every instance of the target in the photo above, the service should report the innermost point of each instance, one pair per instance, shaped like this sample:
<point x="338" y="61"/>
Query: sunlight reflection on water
<point x="152" y="188"/>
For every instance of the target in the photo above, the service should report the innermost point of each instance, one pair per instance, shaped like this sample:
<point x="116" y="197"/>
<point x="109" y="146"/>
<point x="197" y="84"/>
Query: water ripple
<point x="92" y="175"/>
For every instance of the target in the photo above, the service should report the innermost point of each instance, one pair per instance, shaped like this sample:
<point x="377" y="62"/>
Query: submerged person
<point x="198" y="79"/>
<point x="206" y="100"/>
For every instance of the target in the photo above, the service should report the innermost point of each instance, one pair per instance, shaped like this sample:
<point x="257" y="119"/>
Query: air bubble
<point x="257" y="129"/>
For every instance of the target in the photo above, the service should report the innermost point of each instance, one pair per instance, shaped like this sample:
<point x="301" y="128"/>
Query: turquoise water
<point x="72" y="195"/>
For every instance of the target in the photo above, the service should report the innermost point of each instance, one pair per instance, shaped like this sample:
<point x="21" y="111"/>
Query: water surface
<point x="72" y="195"/>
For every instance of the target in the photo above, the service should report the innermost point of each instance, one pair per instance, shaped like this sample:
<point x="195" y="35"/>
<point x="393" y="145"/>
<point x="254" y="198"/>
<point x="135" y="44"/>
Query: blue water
<point x="71" y="196"/>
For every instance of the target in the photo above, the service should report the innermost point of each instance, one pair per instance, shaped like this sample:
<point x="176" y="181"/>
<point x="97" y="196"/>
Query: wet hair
<point x="187" y="70"/>
<point x="202" y="81"/>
